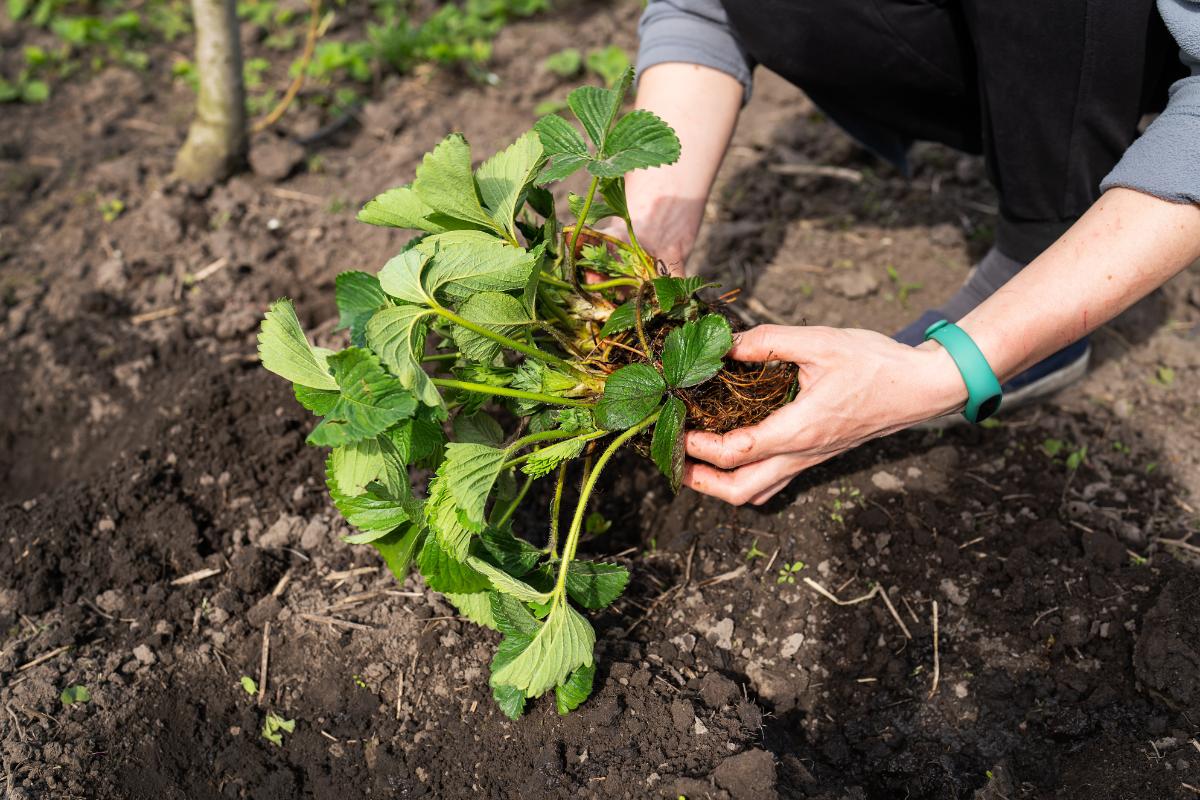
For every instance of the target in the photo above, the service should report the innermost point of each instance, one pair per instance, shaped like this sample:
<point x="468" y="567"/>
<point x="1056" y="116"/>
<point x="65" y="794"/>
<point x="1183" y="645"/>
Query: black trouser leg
<point x="1050" y="92"/>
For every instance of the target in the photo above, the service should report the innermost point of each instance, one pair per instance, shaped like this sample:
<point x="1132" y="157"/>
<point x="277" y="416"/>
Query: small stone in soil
<point x="275" y="158"/>
<point x="791" y="645"/>
<point x="682" y="715"/>
<point x="749" y="775"/>
<point x="717" y="691"/>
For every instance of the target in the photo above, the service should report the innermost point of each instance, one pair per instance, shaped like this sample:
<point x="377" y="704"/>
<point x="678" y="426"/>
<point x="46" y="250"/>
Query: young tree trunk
<point x="216" y="141"/>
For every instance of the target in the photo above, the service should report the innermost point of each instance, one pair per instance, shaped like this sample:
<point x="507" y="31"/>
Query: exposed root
<point x="741" y="395"/>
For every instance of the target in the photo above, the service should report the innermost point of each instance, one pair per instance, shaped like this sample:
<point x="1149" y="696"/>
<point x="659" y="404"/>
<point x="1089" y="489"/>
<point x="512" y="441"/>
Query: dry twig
<point x="1191" y="548"/>
<point x="876" y="590"/>
<point x="44" y="657"/>
<point x="937" y="660"/>
<point x="343" y="623"/>
<point x="197" y="576"/>
<point x="310" y="44"/>
<point x="151" y="316"/>
<point x="262" y="664"/>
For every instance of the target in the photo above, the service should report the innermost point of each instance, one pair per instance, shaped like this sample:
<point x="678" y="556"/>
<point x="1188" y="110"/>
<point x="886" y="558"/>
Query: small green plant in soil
<point x="754" y="552"/>
<point x="75" y="694"/>
<point x="275" y="726"/>
<point x="787" y="573"/>
<point x="479" y="363"/>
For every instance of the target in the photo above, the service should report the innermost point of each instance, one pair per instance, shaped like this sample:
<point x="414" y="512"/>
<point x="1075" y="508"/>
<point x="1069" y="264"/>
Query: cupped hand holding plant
<point x="858" y="385"/>
<point x="477" y="355"/>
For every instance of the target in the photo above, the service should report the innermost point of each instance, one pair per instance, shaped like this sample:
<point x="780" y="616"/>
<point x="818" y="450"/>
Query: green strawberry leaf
<point x="597" y="109"/>
<point x="569" y="695"/>
<point x="599" y="209"/>
<point x="443" y="519"/>
<point x="496" y="311"/>
<point x="401" y="277"/>
<point x="444" y="573"/>
<point x="465" y="262"/>
<point x="399" y="547"/>
<point x="511" y="553"/>
<point x="567" y="150"/>
<point x="372" y="512"/>
<point x="613" y="192"/>
<point x="353" y="466"/>
<point x="478" y="428"/>
<point x="284" y="350"/>
<point x="368" y="403"/>
<point x="400" y="208"/>
<point x="641" y="139"/>
<point x="397" y="334"/>
<point x="470" y="472"/>
<point x="358" y="298"/>
<point x="445" y="184"/>
<point x="622" y="318"/>
<point x="543" y="462"/>
<point x="507" y="584"/>
<point x="504" y="177"/>
<point x="562" y="644"/>
<point x="595" y="585"/>
<point x="513" y="617"/>
<point x="630" y="395"/>
<point x="666" y="446"/>
<point x="694" y="351"/>
<point x="420" y="440"/>
<point x="671" y="292"/>
<point x="476" y="606"/>
<point x="511" y="701"/>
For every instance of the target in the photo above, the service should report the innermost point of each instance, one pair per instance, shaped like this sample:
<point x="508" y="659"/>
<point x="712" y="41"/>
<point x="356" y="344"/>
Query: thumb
<point x="772" y="343"/>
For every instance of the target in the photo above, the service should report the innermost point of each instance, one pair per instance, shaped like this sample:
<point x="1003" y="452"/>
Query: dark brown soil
<point x="134" y="453"/>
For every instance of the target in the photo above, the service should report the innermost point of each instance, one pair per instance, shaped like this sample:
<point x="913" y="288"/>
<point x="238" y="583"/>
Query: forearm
<point x="1123" y="248"/>
<point x="702" y="105"/>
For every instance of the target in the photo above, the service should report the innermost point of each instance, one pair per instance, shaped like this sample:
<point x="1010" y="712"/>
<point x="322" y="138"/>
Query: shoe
<point x="1041" y="380"/>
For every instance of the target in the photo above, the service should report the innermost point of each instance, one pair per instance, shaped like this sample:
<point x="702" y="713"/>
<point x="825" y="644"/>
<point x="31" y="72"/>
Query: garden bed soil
<point x="141" y="444"/>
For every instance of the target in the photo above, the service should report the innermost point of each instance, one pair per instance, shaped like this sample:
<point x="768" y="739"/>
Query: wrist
<point x="943" y="390"/>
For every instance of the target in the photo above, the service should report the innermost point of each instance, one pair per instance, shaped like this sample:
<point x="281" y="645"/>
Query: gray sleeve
<point x="692" y="32"/>
<point x="1165" y="160"/>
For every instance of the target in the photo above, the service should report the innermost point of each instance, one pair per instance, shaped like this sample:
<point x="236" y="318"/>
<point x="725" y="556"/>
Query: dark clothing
<point x="1051" y="95"/>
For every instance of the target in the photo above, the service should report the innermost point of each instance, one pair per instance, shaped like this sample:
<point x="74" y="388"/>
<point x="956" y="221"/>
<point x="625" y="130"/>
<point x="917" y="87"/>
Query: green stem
<point x="556" y="508"/>
<point x="511" y="344"/>
<point x="613" y="283"/>
<point x="583" y="212"/>
<point x="441" y="357"/>
<point x="572" y="271"/>
<point x="512" y="507"/>
<point x="642" y="255"/>
<point x="637" y="319"/>
<point x="504" y="391"/>
<point x="558" y="283"/>
<point x="589" y="484"/>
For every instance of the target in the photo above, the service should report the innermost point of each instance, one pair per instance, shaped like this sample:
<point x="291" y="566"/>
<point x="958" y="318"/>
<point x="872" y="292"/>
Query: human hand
<point x="855" y="386"/>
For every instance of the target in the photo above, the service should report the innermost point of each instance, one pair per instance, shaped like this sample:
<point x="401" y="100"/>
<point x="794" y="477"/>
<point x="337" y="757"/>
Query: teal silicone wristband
<point x="983" y="389"/>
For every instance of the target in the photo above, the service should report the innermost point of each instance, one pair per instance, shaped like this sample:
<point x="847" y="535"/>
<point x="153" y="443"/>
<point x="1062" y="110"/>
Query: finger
<point x="781" y="432"/>
<point x="763" y="497"/>
<point x="739" y="486"/>
<point x="776" y="343"/>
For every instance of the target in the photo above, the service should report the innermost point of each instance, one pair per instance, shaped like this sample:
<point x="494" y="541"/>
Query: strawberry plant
<point x="479" y="363"/>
